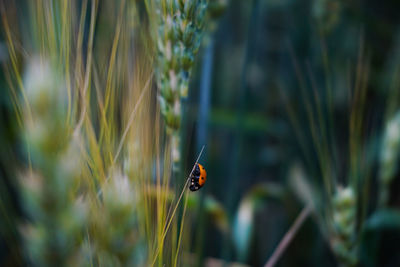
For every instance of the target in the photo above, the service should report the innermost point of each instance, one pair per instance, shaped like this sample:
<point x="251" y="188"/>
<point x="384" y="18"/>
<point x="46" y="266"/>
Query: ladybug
<point x="198" y="178"/>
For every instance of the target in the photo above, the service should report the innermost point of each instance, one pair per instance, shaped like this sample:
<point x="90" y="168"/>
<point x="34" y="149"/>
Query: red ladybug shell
<point x="198" y="177"/>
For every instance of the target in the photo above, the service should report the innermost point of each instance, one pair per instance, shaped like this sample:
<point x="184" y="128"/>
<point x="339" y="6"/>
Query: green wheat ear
<point x="179" y="32"/>
<point x="57" y="213"/>
<point x="343" y="241"/>
<point x="114" y="221"/>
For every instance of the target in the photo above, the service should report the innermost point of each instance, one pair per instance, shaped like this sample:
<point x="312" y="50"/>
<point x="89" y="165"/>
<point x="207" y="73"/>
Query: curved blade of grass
<point x="176" y="207"/>
<point x="290" y="234"/>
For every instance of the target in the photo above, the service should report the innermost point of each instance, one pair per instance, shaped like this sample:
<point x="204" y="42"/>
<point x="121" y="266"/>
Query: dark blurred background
<point x="249" y="138"/>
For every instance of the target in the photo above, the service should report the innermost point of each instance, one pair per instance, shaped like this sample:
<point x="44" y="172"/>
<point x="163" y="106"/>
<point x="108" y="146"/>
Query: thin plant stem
<point x="132" y="116"/>
<point x="176" y="207"/>
<point x="88" y="66"/>
<point x="287" y="239"/>
<point x="144" y="90"/>
<point x="181" y="230"/>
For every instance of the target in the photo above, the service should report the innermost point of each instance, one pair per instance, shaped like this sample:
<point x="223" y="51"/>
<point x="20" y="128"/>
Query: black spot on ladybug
<point x="196" y="171"/>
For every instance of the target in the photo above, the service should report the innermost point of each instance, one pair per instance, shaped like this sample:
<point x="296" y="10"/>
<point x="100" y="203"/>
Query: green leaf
<point x="302" y="188"/>
<point x="243" y="223"/>
<point x="385" y="219"/>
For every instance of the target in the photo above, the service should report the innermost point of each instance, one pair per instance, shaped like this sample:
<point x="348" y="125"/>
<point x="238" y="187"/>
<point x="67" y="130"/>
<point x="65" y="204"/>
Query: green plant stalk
<point x="179" y="31"/>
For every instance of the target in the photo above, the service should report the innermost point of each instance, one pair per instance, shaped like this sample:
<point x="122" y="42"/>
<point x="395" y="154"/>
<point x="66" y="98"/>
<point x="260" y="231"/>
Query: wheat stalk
<point x="179" y="32"/>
